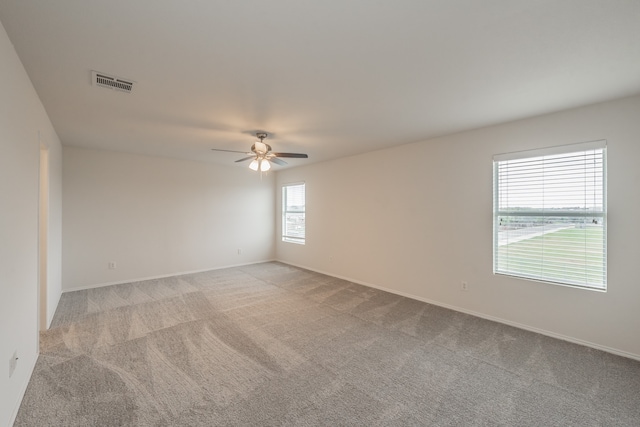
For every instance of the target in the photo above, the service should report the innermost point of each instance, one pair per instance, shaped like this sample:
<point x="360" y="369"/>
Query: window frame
<point x="288" y="238"/>
<point x="584" y="148"/>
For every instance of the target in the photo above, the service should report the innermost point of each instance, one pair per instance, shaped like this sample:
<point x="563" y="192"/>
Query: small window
<point x="550" y="215"/>
<point x="293" y="211"/>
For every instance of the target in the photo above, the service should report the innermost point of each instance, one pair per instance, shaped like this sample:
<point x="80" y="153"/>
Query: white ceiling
<point x="329" y="78"/>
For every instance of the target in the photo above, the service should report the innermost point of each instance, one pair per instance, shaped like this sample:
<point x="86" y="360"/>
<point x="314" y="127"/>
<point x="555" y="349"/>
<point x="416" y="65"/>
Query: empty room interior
<point x="470" y="171"/>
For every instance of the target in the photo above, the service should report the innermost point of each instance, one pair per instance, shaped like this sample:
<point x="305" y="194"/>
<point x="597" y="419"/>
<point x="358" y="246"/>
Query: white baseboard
<point x="481" y="315"/>
<point x="23" y="390"/>
<point x="162" y="276"/>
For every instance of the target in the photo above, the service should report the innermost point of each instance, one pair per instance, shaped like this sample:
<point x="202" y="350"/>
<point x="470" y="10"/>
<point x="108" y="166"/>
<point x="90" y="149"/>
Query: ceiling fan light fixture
<point x="265" y="165"/>
<point x="254" y="165"/>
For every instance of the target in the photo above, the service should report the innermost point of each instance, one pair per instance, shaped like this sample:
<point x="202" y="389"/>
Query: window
<point x="293" y="209"/>
<point x="550" y="215"/>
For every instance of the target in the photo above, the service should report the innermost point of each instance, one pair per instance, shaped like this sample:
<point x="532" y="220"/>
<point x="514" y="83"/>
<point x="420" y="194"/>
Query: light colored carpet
<point x="270" y="345"/>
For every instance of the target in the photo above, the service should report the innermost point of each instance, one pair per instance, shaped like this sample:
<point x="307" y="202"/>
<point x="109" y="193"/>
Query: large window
<point x="550" y="215"/>
<point x="293" y="211"/>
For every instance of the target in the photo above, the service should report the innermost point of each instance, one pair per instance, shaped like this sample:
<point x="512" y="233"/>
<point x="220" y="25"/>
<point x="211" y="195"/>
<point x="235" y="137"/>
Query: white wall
<point x="22" y="116"/>
<point x="417" y="220"/>
<point x="157" y="216"/>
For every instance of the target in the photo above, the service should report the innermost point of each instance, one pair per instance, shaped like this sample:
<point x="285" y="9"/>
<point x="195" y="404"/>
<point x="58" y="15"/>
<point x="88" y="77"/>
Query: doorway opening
<point x="43" y="238"/>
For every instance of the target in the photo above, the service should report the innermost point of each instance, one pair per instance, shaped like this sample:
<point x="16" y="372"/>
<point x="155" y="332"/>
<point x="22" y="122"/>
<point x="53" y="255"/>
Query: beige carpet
<point x="270" y="345"/>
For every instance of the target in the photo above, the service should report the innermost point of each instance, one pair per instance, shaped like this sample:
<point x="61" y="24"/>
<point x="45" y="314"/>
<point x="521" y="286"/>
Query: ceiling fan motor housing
<point x="260" y="148"/>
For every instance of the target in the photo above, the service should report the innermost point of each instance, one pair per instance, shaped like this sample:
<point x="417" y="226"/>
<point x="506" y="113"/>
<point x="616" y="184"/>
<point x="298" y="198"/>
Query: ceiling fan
<point x="262" y="155"/>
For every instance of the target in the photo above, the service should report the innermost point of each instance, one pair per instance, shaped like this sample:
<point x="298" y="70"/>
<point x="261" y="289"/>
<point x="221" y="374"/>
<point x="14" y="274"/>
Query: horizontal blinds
<point x="550" y="217"/>
<point x="293" y="221"/>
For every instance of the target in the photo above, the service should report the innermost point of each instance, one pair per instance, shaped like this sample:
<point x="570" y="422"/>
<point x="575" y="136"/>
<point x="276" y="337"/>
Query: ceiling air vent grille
<point x="111" y="82"/>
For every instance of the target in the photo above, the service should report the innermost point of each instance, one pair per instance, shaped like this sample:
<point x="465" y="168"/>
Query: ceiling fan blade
<point x="277" y="161"/>
<point x="229" y="151"/>
<point x="292" y="155"/>
<point x="246" y="158"/>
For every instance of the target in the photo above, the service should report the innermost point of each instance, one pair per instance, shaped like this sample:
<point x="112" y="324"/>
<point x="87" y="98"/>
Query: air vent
<point x="111" y="82"/>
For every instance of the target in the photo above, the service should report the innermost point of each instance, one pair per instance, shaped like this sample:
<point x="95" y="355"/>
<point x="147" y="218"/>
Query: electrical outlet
<point x="464" y="286"/>
<point x="13" y="362"/>
<point x="112" y="265"/>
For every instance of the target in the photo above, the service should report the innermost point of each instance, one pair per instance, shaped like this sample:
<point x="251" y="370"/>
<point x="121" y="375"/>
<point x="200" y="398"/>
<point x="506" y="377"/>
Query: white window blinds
<point x="293" y="213"/>
<point x="550" y="218"/>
